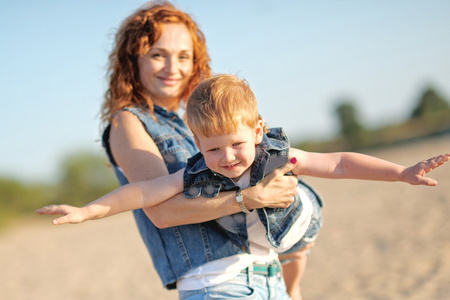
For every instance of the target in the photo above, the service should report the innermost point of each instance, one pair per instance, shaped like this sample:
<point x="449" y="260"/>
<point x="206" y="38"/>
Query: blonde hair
<point x="136" y="35"/>
<point x="219" y="104"/>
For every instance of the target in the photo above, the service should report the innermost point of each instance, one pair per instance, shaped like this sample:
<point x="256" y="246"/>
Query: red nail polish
<point x="293" y="160"/>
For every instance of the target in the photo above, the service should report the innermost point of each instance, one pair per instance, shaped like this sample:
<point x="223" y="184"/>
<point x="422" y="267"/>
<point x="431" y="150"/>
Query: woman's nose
<point x="171" y="65"/>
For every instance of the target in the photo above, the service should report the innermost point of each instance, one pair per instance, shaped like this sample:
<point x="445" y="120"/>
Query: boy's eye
<point x="237" y="144"/>
<point x="213" y="149"/>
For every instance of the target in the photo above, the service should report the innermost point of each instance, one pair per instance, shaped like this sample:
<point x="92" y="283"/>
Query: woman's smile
<point x="168" y="81"/>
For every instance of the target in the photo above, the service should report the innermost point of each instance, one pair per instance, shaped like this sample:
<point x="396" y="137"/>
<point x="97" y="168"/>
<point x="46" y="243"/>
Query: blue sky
<point x="300" y="58"/>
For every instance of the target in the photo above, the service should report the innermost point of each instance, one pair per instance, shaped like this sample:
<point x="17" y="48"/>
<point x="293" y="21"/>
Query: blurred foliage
<point x="17" y="199"/>
<point x="429" y="103"/>
<point x="84" y="178"/>
<point x="430" y="116"/>
<point x="352" y="131"/>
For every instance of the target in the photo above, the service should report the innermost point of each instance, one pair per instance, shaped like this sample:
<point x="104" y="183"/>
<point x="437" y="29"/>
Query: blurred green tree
<point x="84" y="177"/>
<point x="351" y="129"/>
<point x="430" y="102"/>
<point x="17" y="198"/>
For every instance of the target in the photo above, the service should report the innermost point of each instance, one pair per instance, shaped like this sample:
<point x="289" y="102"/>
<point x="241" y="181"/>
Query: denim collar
<point x="164" y="112"/>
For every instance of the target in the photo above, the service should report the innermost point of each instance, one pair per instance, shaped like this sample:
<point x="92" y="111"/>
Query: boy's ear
<point x="259" y="130"/>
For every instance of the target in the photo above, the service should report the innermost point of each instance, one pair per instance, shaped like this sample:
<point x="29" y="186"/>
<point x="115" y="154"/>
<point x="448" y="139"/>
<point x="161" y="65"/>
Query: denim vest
<point x="271" y="153"/>
<point x="175" y="250"/>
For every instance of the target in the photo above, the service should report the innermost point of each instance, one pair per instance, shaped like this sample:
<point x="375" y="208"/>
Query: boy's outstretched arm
<point x="360" y="166"/>
<point x="128" y="197"/>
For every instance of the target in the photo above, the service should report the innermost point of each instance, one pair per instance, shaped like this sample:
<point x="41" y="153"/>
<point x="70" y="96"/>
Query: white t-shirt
<point x="262" y="251"/>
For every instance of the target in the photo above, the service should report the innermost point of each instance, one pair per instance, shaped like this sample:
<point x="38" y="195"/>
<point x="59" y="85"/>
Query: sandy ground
<point x="379" y="241"/>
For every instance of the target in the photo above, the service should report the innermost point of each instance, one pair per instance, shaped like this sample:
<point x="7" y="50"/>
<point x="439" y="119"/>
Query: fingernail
<point x="293" y="160"/>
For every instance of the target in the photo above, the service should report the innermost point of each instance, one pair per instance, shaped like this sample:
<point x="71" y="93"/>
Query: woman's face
<point x="166" y="68"/>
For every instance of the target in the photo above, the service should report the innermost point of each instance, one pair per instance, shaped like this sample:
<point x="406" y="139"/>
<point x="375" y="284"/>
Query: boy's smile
<point x="230" y="154"/>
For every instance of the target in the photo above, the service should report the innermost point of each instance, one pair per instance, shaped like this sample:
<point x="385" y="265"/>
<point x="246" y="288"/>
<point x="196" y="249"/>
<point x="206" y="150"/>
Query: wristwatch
<point x="240" y="201"/>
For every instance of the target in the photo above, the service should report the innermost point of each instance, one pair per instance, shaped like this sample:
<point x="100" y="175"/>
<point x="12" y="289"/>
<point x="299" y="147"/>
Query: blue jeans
<point x="244" y="286"/>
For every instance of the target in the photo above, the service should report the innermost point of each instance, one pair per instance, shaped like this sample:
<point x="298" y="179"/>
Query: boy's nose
<point x="229" y="155"/>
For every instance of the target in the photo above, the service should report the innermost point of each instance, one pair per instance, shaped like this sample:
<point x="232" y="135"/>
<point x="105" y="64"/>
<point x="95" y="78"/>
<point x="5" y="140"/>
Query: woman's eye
<point x="184" y="57"/>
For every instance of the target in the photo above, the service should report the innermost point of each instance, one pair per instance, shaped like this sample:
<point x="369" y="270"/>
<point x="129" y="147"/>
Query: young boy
<point x="237" y="151"/>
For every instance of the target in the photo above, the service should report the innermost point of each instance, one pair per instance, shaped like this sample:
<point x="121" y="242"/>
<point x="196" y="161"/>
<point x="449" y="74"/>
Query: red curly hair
<point x="135" y="36"/>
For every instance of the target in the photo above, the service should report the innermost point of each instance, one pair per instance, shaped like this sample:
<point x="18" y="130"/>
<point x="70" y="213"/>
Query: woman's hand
<point x="275" y="190"/>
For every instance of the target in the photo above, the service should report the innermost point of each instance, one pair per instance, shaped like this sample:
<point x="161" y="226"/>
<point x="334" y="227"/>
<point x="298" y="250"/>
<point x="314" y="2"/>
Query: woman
<point x="159" y="57"/>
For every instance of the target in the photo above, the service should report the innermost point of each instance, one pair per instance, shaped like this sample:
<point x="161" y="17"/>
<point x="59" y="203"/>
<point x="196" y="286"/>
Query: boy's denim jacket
<point x="175" y="250"/>
<point x="271" y="153"/>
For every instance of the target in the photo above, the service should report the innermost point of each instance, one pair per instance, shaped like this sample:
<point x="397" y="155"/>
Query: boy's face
<point x="231" y="154"/>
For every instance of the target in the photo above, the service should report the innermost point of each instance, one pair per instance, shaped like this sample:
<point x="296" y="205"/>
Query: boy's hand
<point x="70" y="213"/>
<point x="416" y="174"/>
